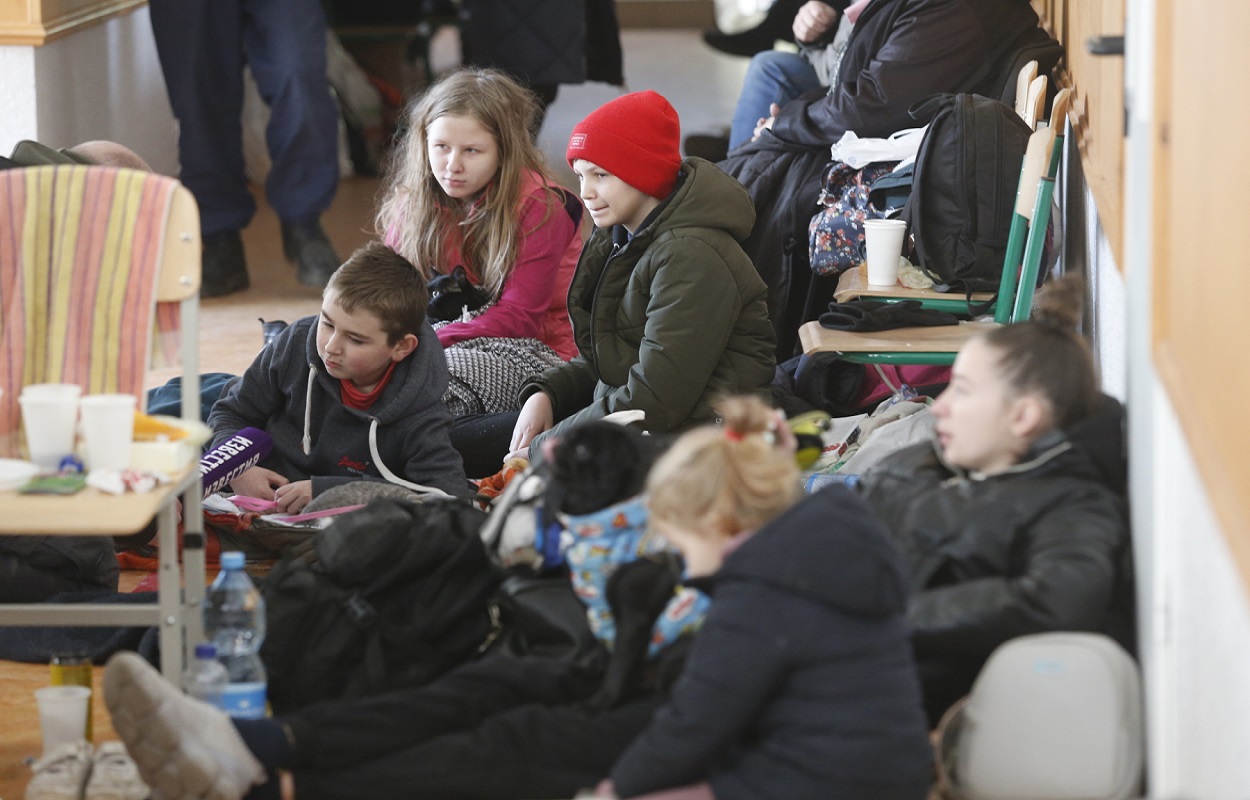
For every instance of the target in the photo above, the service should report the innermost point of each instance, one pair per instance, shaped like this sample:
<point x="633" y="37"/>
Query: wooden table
<point x="853" y="285"/>
<point x="95" y="513"/>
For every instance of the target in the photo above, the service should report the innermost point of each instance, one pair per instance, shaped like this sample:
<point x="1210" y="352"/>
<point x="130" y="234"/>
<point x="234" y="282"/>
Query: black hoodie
<point x="800" y="683"/>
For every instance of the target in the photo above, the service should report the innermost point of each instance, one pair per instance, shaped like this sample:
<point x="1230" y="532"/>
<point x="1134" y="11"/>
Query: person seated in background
<point x="354" y="393"/>
<point x="1006" y="523"/>
<point x="898" y="53"/>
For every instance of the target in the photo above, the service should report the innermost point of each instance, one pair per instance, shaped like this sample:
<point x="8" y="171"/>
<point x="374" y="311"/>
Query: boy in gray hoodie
<point x="354" y="393"/>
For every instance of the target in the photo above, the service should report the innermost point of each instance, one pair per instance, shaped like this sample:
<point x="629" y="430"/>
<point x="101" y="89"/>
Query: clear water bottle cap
<point x="232" y="559"/>
<point x="206" y="650"/>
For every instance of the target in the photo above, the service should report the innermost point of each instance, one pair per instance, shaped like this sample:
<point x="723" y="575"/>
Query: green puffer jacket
<point x="669" y="320"/>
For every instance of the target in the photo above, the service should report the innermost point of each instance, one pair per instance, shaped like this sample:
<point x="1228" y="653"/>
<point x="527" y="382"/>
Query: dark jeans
<point x="502" y="726"/>
<point x="483" y="440"/>
<point x="532" y="751"/>
<point x="203" y="46"/>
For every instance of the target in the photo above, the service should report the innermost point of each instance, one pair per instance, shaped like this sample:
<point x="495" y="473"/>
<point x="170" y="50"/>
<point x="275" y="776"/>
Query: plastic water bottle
<point x="205" y="678"/>
<point x="234" y="621"/>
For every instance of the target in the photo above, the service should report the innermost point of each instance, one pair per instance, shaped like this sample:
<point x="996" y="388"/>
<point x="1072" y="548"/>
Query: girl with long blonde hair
<point x="468" y="187"/>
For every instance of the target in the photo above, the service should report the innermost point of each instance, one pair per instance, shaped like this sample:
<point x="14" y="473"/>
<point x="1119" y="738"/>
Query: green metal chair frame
<point x="1019" y="227"/>
<point x="1016" y="287"/>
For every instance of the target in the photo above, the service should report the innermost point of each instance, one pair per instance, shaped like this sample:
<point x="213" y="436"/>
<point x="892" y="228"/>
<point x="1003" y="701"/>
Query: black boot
<point x="306" y="244"/>
<point x="270" y="330"/>
<point x="778" y="23"/>
<point x="223" y="269"/>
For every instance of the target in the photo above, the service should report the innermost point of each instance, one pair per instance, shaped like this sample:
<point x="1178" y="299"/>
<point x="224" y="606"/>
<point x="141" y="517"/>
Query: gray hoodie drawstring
<point x="312" y="378"/>
<point x="373" y="443"/>
<point x="386" y="472"/>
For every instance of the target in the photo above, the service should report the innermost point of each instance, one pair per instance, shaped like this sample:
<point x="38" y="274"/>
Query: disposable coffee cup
<point x="62" y="715"/>
<point x="49" y="419"/>
<point x="108" y="427"/>
<point x="883" y="238"/>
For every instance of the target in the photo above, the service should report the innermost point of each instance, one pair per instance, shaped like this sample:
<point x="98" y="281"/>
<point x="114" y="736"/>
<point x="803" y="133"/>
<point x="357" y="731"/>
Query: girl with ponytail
<point x="1007" y="526"/>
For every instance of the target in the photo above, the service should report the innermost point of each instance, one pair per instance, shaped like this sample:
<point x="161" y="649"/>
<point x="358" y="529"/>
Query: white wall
<point x="1194" y="608"/>
<point x="103" y="82"/>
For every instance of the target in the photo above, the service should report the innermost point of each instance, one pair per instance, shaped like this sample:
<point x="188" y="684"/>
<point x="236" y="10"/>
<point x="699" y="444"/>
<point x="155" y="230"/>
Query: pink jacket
<point x="534" y="296"/>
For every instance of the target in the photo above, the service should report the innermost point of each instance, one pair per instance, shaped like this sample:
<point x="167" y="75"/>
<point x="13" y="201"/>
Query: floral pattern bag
<point x="836" y="232"/>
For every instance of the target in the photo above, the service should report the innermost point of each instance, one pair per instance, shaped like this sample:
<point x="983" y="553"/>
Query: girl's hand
<point x="292" y="498"/>
<point x="536" y="417"/>
<point x="258" y="482"/>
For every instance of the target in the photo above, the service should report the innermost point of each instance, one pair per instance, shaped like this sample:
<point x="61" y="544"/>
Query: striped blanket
<point x="80" y="250"/>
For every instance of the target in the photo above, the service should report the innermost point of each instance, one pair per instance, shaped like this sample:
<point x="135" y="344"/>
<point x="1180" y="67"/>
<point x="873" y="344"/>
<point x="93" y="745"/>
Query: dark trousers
<point x="483" y="440"/>
<point x="502" y="726"/>
<point x="203" y="46"/>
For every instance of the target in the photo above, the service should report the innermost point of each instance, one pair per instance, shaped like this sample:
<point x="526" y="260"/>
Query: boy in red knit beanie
<point x="667" y="310"/>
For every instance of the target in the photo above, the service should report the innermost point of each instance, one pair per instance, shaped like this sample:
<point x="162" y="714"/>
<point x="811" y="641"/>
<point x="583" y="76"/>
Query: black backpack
<point x="963" y="192"/>
<point x="395" y="594"/>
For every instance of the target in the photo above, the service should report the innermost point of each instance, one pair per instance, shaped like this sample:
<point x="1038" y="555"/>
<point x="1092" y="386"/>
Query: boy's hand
<point x="293" y="497"/>
<point x="536" y="416"/>
<point x="258" y="482"/>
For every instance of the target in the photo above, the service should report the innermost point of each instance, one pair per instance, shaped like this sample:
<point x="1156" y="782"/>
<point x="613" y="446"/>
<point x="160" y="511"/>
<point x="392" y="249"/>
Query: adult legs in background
<point x="203" y="45"/>
<point x="772" y="77"/>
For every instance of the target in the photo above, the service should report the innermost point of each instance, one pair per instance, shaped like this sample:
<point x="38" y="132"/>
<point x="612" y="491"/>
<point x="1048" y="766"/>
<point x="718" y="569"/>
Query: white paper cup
<point x="883" y="239"/>
<point x="62" y="715"/>
<point x="49" y="417"/>
<point x="108" y="428"/>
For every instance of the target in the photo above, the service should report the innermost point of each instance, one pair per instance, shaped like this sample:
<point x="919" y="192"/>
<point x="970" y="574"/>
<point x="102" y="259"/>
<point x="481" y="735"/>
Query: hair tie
<point x="733" y="435"/>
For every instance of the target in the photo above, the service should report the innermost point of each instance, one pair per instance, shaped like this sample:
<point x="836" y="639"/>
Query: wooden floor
<point x="19" y="719"/>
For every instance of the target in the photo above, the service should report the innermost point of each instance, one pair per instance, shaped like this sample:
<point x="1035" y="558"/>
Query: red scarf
<point x="354" y="398"/>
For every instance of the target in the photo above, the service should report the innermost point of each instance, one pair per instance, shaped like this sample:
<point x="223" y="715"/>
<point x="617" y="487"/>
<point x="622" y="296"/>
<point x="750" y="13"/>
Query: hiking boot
<point x="60" y="775"/>
<point x="306" y="244"/>
<point x="183" y="748"/>
<point x="114" y="775"/>
<point x="223" y="268"/>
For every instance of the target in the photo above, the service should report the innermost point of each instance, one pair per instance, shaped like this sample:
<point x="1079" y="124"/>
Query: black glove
<point x="878" y="315"/>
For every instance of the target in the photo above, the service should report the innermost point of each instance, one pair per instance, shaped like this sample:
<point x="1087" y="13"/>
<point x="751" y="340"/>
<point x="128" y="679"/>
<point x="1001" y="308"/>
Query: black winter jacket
<point x="1043" y="546"/>
<point x="800" y="684"/>
<point x="902" y="51"/>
